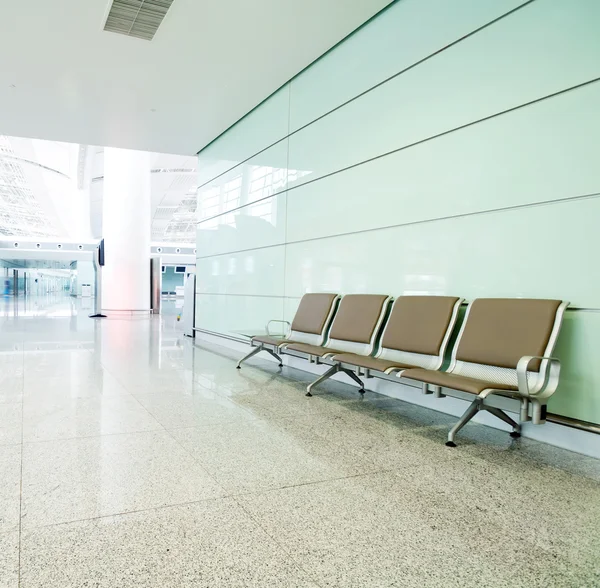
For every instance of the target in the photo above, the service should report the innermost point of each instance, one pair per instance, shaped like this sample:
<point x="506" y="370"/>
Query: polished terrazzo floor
<point x="131" y="458"/>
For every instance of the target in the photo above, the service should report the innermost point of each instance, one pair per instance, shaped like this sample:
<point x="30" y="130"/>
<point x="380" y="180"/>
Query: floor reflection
<point x="132" y="456"/>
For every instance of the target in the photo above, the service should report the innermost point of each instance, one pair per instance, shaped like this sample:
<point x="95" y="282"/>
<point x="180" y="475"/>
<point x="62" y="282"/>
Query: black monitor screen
<point x="101" y="252"/>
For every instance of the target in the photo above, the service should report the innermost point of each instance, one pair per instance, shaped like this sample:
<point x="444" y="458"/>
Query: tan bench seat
<point x="355" y="329"/>
<point x="415" y="335"/>
<point x="317" y="350"/>
<point x="370" y="363"/>
<point x="471" y="385"/>
<point x="504" y="345"/>
<point x="275" y="341"/>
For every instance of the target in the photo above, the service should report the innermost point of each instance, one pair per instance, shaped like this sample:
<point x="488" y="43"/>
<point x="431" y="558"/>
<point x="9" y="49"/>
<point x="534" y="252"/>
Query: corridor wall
<point x="443" y="148"/>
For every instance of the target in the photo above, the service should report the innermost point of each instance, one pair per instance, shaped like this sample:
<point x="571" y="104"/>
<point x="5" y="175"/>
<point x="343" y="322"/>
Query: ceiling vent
<point x="137" y="18"/>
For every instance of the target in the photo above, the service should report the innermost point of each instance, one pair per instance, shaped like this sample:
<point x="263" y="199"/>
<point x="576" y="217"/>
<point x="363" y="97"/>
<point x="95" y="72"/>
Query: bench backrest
<point x="357" y="323"/>
<point x="418" y="330"/>
<point x="497" y="332"/>
<point x="313" y="318"/>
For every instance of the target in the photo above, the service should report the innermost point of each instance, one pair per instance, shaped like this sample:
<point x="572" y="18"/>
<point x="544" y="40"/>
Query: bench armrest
<point x="549" y="369"/>
<point x="289" y="326"/>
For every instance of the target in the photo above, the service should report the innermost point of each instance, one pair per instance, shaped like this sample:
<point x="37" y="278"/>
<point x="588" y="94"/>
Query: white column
<point x="126" y="204"/>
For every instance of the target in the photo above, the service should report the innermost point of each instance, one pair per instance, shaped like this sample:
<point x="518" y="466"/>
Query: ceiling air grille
<point x="137" y="18"/>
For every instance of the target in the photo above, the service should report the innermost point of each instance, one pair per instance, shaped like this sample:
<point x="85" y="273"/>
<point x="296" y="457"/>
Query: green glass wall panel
<point x="332" y="194"/>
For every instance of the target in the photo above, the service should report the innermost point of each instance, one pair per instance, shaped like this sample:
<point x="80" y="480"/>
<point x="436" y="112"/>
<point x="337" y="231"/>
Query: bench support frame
<point x="475" y="406"/>
<point x="256" y="350"/>
<point x="264" y="347"/>
<point x="334" y="369"/>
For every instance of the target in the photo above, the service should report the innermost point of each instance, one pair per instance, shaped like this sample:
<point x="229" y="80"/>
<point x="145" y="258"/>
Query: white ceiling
<point x="64" y="78"/>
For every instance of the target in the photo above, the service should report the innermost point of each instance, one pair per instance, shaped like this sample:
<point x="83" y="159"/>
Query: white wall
<point x="444" y="148"/>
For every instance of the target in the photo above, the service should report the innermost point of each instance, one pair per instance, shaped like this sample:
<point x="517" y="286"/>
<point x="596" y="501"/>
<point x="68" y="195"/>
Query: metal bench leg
<point x="351" y="374"/>
<point x="464" y="419"/>
<point x="330" y="372"/>
<point x="253" y="352"/>
<point x="516" y="432"/>
<point x="275" y="356"/>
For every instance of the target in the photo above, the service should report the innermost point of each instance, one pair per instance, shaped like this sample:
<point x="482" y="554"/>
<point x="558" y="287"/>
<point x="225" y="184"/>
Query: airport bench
<point x="501" y="360"/>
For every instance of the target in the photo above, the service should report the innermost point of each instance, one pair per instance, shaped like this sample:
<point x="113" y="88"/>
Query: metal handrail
<point x="278" y="321"/>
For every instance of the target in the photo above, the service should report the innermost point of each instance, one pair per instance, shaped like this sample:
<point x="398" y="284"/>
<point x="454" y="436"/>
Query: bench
<point x="501" y="360"/>
<point x="310" y="325"/>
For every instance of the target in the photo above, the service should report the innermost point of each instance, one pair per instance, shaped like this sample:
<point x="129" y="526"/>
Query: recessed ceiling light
<point x="153" y="110"/>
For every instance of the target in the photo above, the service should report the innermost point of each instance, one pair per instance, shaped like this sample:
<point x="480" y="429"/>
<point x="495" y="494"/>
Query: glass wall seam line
<point x="389" y="78"/>
<point x="248" y="295"/>
<point x="409" y="145"/>
<point x="417" y="222"/>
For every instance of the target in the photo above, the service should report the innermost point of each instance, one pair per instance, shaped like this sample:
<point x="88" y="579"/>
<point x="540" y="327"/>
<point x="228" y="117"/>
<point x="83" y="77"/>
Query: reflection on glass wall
<point x="242" y="187"/>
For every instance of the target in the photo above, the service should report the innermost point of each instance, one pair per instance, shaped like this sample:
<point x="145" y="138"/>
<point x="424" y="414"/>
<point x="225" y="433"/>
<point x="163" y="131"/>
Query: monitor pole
<point x="98" y="263"/>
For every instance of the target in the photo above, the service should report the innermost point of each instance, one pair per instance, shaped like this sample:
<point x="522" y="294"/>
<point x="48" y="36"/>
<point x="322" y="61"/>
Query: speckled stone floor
<point x="131" y="458"/>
